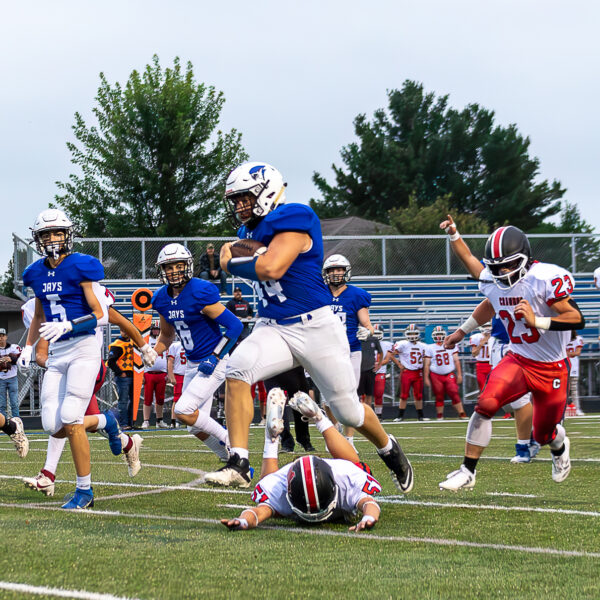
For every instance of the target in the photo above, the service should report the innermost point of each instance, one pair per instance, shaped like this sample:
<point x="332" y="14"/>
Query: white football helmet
<point x="336" y="261"/>
<point x="53" y="219"/>
<point x="412" y="333"/>
<point x="261" y="184"/>
<point x="438" y="334"/>
<point x="486" y="327"/>
<point x="378" y="331"/>
<point x="174" y="253"/>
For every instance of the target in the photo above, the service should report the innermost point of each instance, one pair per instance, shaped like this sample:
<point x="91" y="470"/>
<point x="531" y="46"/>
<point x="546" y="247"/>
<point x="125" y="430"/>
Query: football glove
<point x="207" y="365"/>
<point x="362" y="333"/>
<point x="149" y="355"/>
<point x="378" y="334"/>
<point x="53" y="330"/>
<point x="25" y="358"/>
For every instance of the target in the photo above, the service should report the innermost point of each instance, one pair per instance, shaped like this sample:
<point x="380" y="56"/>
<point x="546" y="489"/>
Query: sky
<point x="296" y="74"/>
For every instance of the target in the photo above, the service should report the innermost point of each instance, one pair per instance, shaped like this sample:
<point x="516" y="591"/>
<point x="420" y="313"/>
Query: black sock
<point x="9" y="427"/>
<point x="470" y="463"/>
<point x="401" y="412"/>
<point x="558" y="452"/>
<point x="420" y="413"/>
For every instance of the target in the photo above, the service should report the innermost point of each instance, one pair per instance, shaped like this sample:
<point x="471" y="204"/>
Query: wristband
<point x="254" y="513"/>
<point x="244" y="267"/>
<point x="542" y="322"/>
<point x="469" y="325"/>
<point x="368" y="519"/>
<point x="243" y="523"/>
<point x="455" y="236"/>
<point x="84" y="324"/>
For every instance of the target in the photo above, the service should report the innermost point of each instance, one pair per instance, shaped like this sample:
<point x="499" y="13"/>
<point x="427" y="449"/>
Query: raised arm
<point x="460" y="248"/>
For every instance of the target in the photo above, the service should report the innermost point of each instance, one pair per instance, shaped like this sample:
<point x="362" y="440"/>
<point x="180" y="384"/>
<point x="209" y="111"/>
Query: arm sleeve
<point x="233" y="327"/>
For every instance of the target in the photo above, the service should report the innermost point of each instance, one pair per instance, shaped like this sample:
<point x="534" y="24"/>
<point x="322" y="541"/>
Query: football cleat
<point x="114" y="433"/>
<point x="162" y="425"/>
<point x="19" y="438"/>
<point x="400" y="468"/>
<point x="461" y="479"/>
<point x="235" y="473"/>
<point x="522" y="454"/>
<point x="561" y="465"/>
<point x="534" y="448"/>
<point x="305" y="405"/>
<point x="146" y="425"/>
<point x="40" y="483"/>
<point x="80" y="500"/>
<point x="132" y="458"/>
<point x="579" y="413"/>
<point x="275" y="408"/>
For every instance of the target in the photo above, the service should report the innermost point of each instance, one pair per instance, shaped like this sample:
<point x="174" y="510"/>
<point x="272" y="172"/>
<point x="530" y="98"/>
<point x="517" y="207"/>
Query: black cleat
<point x="235" y="473"/>
<point x="400" y="468"/>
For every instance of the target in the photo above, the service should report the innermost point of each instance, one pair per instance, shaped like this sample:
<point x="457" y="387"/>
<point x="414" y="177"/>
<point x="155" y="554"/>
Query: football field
<point x="516" y="535"/>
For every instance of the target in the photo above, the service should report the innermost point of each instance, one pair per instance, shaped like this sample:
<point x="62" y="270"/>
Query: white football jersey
<point x="353" y="483"/>
<point x="543" y="285"/>
<point x="410" y="354"/>
<point x="484" y="351"/>
<point x="161" y="362"/>
<point x="385" y="348"/>
<point x="442" y="359"/>
<point x="179" y="358"/>
<point x="597" y="277"/>
<point x="573" y="345"/>
<point x="28" y="310"/>
<point x="9" y="349"/>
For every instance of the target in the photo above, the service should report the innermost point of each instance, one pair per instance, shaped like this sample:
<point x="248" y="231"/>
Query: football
<point x="247" y="248"/>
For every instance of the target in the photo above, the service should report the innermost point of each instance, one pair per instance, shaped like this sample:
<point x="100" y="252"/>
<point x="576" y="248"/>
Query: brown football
<point x="246" y="248"/>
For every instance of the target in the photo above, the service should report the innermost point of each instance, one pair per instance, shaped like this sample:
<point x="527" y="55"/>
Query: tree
<point x="7" y="283"/>
<point x="421" y="147"/>
<point x="154" y="164"/>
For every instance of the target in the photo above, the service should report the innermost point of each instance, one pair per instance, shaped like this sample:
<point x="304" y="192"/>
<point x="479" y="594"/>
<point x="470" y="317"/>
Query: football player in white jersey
<point x="534" y="301"/>
<point x="410" y="352"/>
<point x="480" y="351"/>
<point x="155" y="382"/>
<point x="443" y="373"/>
<point x="176" y="365"/>
<point x="574" y="348"/>
<point x="311" y="489"/>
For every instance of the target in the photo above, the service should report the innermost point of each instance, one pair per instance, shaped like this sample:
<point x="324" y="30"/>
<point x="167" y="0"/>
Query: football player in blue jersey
<point x="190" y="307"/>
<point x="351" y="305"/>
<point x="296" y="325"/>
<point x="66" y="314"/>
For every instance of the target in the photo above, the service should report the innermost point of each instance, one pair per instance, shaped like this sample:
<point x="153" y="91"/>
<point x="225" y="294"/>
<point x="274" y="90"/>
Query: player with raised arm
<point x="410" y="353"/>
<point x="534" y="301"/>
<point x="312" y="489"/>
<point x="295" y="325"/>
<point x="443" y="373"/>
<point x="191" y="308"/>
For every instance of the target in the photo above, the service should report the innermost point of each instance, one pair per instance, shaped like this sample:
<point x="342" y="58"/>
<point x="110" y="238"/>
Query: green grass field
<point x="517" y="535"/>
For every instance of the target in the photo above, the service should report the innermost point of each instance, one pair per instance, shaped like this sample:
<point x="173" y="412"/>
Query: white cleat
<point x="305" y="405"/>
<point x="146" y="425"/>
<point x="162" y="425"/>
<point x="534" y="448"/>
<point x="40" y="483"/>
<point x="19" y="438"/>
<point x="561" y="465"/>
<point x="276" y="400"/>
<point x="461" y="479"/>
<point x="579" y="413"/>
<point x="132" y="458"/>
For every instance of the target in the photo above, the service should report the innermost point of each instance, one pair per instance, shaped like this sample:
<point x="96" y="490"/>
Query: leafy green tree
<point x="421" y="147"/>
<point x="154" y="164"/>
<point x="7" y="281"/>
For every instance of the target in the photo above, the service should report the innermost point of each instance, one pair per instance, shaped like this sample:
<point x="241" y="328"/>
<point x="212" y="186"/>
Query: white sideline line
<point x="330" y="533"/>
<point x="60" y="592"/>
<point x="511" y="495"/>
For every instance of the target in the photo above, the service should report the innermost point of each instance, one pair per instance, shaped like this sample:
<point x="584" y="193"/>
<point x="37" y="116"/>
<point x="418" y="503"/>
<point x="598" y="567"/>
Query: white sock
<point x="241" y="452"/>
<point x="323" y="424"/>
<point x="386" y="448"/>
<point x="54" y="452"/>
<point x="523" y="442"/>
<point x="217" y="446"/>
<point x="85" y="482"/>
<point x="124" y="439"/>
<point x="559" y="440"/>
<point x="101" y="421"/>
<point x="208" y="425"/>
<point x="271" y="449"/>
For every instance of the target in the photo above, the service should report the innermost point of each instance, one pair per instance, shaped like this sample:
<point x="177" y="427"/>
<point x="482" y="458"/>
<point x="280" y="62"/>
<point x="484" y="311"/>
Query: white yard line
<point x="58" y="592"/>
<point x="329" y="533"/>
<point x="508" y="494"/>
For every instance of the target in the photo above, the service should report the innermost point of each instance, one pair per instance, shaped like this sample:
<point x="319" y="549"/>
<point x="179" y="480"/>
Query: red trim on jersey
<point x="497" y="242"/>
<point x="309" y="483"/>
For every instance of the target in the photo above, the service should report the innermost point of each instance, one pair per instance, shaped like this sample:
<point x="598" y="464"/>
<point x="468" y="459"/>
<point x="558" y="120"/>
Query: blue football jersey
<point x="301" y="289"/>
<point x="499" y="331"/>
<point x="58" y="289"/>
<point x="346" y="307"/>
<point x="198" y="334"/>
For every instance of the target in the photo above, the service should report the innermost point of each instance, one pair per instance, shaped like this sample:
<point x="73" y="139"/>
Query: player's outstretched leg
<point x="131" y="453"/>
<point x="14" y="429"/>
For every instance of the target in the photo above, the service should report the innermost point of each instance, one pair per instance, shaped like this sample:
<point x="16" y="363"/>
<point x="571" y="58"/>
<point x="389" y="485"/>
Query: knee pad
<point x="487" y="407"/>
<point x="351" y="414"/>
<point x="50" y="422"/>
<point x="519" y="402"/>
<point x="479" y="430"/>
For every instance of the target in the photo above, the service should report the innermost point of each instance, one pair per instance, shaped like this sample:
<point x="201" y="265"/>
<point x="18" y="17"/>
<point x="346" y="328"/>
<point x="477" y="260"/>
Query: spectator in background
<point x="9" y="384"/>
<point x="120" y="362"/>
<point x="210" y="268"/>
<point x="574" y="348"/>
<point x="242" y="309"/>
<point x="380" y="372"/>
<point x="176" y="361"/>
<point x="155" y="382"/>
<point x="597" y="278"/>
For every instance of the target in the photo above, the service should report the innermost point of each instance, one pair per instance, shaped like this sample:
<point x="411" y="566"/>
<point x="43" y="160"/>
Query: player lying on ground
<point x="534" y="301"/>
<point x="94" y="419"/>
<point x="312" y="489"/>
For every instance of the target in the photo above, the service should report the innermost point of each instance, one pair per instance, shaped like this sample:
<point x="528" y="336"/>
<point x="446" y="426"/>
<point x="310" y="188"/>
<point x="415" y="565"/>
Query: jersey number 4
<point x="530" y="337"/>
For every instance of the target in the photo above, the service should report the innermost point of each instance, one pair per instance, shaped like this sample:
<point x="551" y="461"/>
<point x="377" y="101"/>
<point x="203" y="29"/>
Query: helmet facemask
<point x="508" y="271"/>
<point x="438" y="335"/>
<point x="336" y="279"/>
<point x="412" y="334"/>
<point x="54" y="249"/>
<point x="179" y="275"/>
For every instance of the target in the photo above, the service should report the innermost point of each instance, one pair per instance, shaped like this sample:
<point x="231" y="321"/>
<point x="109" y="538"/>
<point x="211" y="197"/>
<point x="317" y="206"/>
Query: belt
<point x="304" y="318"/>
<point x="156" y="372"/>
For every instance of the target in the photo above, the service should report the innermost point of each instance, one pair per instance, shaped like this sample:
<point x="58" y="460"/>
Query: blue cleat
<point x="81" y="499"/>
<point x="114" y="432"/>
<point x="522" y="454"/>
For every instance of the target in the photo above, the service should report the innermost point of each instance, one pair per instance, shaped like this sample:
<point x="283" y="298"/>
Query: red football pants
<point x="442" y="385"/>
<point x="379" y="388"/>
<point x="178" y="387"/>
<point x="412" y="379"/>
<point x="515" y="376"/>
<point x="154" y="386"/>
<point x="262" y="391"/>
<point x="482" y="370"/>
